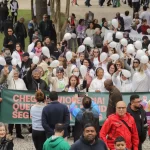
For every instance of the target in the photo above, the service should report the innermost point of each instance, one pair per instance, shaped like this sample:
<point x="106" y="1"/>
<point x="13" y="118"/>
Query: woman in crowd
<point x="34" y="81"/>
<point x="96" y="58"/>
<point x="15" y="83"/>
<point x="59" y="82"/>
<point x="90" y="72"/>
<point x="80" y="32"/>
<point x="90" y="31"/>
<point x="17" y="54"/>
<point x="111" y="68"/>
<point x="38" y="48"/>
<point x="6" y="141"/>
<point x="74" y="85"/>
<point x="122" y="80"/>
<point x="38" y="133"/>
<point x="97" y="85"/>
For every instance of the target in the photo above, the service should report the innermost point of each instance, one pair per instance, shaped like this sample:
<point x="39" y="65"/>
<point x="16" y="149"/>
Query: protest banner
<point x="15" y="108"/>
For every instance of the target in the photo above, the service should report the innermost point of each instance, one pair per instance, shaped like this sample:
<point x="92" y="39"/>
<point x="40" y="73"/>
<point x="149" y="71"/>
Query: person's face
<point x="41" y="72"/>
<point x="121" y="109"/>
<point x="89" y="134"/>
<point x="98" y="31"/>
<point x="135" y="64"/>
<point x="16" y="75"/>
<point x="91" y="25"/>
<point x="34" y="20"/>
<point x="59" y="75"/>
<point x="25" y="58"/>
<point x="82" y="57"/>
<point x="123" y="77"/>
<point x="37" y="75"/>
<point x="47" y="41"/>
<point x="39" y="45"/>
<point x="96" y="53"/>
<point x="120" y="145"/>
<point x="2" y="132"/>
<point x="86" y="63"/>
<point x="22" y="20"/>
<point x="10" y="31"/>
<point x="73" y="81"/>
<point x="100" y="74"/>
<point x="76" y="72"/>
<point x="136" y="103"/>
<point x="112" y="69"/>
<point x="18" y="48"/>
<point x="107" y="87"/>
<point x="96" y="21"/>
<point x="118" y="65"/>
<point x="105" y="24"/>
<point x="45" y="18"/>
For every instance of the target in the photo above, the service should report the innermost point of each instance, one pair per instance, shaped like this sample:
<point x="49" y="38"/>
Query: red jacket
<point x="114" y="127"/>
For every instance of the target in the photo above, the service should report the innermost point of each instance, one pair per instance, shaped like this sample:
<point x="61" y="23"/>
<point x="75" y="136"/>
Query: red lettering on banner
<point x="16" y="98"/>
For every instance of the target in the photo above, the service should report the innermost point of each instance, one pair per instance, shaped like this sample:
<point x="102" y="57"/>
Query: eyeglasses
<point x="9" y="31"/>
<point x="59" y="72"/>
<point x="117" y="64"/>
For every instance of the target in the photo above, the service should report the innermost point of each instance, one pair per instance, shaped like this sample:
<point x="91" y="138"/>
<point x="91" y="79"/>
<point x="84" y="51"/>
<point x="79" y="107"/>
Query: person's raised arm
<point x="73" y="110"/>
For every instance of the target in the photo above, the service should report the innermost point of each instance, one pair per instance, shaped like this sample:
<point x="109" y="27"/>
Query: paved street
<point x="107" y="12"/>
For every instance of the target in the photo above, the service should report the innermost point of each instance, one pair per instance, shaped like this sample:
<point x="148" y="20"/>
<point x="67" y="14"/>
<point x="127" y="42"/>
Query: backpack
<point x="87" y="117"/>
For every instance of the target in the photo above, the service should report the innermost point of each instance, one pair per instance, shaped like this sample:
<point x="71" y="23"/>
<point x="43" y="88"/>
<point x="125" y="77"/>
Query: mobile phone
<point x="81" y="94"/>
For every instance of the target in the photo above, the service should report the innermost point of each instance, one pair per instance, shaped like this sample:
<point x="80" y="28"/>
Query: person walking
<point x="139" y="115"/>
<point x="89" y="140"/>
<point x="114" y="96"/>
<point x="38" y="132"/>
<point x="54" y="113"/>
<point x="56" y="141"/>
<point x="120" y="124"/>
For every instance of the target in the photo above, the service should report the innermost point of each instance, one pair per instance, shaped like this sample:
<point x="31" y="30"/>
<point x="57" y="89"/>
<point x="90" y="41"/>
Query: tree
<point x="41" y="9"/>
<point x="67" y="8"/>
<point x="32" y="11"/>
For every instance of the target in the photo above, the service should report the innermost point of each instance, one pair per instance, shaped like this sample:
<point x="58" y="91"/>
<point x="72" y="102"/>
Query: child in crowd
<point x="120" y="143"/>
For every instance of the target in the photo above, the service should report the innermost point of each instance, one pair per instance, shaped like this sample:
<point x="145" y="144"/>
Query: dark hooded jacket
<point x="140" y="120"/>
<point x="6" y="143"/>
<point x="82" y="144"/>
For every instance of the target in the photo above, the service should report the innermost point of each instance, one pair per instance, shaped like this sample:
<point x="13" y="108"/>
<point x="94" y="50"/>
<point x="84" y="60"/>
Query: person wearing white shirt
<point x="14" y="82"/>
<point x="127" y="21"/>
<point x="122" y="80"/>
<point x="145" y="15"/>
<point x="97" y="85"/>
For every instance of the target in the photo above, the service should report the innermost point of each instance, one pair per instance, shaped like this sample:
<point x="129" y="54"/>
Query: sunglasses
<point x="9" y="31"/>
<point x="136" y="62"/>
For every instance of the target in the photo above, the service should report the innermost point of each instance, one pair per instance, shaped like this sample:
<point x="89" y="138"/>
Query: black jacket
<point x="52" y="114"/>
<point x="81" y="144"/>
<point x="6" y="144"/>
<point x="32" y="84"/>
<point x="20" y="30"/>
<point x="8" y="39"/>
<point x="142" y="131"/>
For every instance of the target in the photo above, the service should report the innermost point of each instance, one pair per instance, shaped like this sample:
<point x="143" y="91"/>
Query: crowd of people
<point x="92" y="57"/>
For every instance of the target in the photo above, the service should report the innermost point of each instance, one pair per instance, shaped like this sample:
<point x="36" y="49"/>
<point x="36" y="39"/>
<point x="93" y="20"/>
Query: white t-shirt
<point x="71" y="89"/>
<point x="127" y="22"/>
<point x="145" y="15"/>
